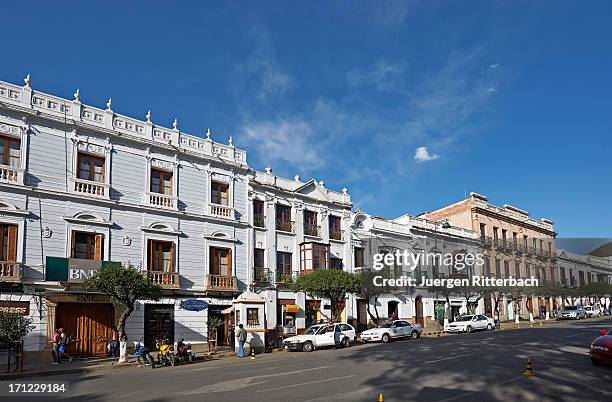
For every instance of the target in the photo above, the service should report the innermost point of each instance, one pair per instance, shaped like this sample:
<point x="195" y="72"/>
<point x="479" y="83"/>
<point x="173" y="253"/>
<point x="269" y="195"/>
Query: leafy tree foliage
<point x="332" y="284"/>
<point x="125" y="286"/>
<point x="13" y="327"/>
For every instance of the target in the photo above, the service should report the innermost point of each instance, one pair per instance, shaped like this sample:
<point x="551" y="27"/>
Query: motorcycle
<point x="184" y="354"/>
<point x="166" y="352"/>
<point x="142" y="354"/>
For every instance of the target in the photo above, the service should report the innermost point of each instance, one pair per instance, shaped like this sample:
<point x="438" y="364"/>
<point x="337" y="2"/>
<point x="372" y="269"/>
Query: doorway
<point x="159" y="323"/>
<point x="89" y="325"/>
<point x="362" y="315"/>
<point x="418" y="311"/>
<point x="392" y="310"/>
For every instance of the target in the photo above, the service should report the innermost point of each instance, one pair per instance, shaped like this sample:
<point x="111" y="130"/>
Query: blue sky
<point x="410" y="105"/>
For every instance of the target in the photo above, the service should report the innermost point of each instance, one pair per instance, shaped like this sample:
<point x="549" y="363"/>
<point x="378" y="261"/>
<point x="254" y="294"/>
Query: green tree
<point x="13" y="327"/>
<point x="332" y="284"/>
<point x="125" y="286"/>
<point x="371" y="292"/>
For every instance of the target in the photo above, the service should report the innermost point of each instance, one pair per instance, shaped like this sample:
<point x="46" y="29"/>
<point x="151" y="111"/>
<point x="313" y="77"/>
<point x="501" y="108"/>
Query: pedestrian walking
<point x="63" y="345"/>
<point x="241" y="337"/>
<point x="55" y="342"/>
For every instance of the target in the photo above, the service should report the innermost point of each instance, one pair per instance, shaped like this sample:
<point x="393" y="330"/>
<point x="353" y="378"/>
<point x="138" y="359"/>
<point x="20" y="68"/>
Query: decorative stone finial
<point x="28" y="81"/>
<point x="297" y="177"/>
<point x="109" y="104"/>
<point x="269" y="169"/>
<point x="175" y="124"/>
<point x="77" y="95"/>
<point x="345" y="190"/>
<point x="208" y="134"/>
<point x="322" y="183"/>
<point x="148" y="116"/>
<point x="231" y="141"/>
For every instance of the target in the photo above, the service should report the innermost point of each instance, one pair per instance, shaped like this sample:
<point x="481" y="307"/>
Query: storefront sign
<point x="194" y="305"/>
<point x="292" y="308"/>
<point x="71" y="270"/>
<point x="15" y="307"/>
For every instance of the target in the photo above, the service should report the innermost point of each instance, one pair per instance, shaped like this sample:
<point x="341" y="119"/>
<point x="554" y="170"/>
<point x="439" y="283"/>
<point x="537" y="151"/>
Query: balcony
<point x="220" y="283"/>
<point x="221" y="211"/>
<point x="312" y="230"/>
<point x="284" y="277"/>
<point x="10" y="271"/>
<point x="11" y="175"/>
<point x="486" y="241"/>
<point x="336" y="234"/>
<point x="162" y="201"/>
<point x="259" y="221"/>
<point x="284" y="226"/>
<point x="90" y="188"/>
<point x="167" y="280"/>
<point x="262" y="276"/>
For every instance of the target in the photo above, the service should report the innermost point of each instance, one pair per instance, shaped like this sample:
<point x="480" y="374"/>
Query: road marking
<point x="449" y="358"/>
<point x="571" y="336"/>
<point x="307" y="383"/>
<point x="244" y="382"/>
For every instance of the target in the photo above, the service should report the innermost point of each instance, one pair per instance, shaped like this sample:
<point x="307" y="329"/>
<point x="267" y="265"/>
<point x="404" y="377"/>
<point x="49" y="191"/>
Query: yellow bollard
<point x="380" y="398"/>
<point x="529" y="369"/>
<point x="540" y="323"/>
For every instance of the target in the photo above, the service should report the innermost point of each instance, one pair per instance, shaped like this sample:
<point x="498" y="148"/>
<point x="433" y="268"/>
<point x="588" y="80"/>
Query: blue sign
<point x="194" y="305"/>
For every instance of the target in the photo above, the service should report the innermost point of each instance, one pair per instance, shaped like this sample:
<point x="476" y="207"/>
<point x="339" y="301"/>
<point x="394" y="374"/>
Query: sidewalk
<point x="84" y="365"/>
<point x="88" y="365"/>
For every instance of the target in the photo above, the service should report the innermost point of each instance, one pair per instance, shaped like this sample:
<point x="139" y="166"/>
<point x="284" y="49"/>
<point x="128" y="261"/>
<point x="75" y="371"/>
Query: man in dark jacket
<point x="241" y="337"/>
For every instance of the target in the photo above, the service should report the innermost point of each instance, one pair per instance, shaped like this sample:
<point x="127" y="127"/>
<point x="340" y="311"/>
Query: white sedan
<point x="469" y="323"/>
<point x="322" y="335"/>
<point x="592" y="311"/>
<point x="392" y="330"/>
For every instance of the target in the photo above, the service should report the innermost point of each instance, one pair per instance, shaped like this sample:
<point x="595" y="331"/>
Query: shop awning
<point x="292" y="308"/>
<point x="228" y="310"/>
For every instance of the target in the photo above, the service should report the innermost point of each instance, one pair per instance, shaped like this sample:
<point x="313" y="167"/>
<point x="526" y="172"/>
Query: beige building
<point x="513" y="244"/>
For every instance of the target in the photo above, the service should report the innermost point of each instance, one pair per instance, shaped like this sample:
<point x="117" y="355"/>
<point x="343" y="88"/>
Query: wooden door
<point x="418" y="308"/>
<point x="362" y="315"/>
<point x="89" y="325"/>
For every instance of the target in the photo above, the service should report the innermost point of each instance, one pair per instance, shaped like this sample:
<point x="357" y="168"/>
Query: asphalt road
<point x="484" y="366"/>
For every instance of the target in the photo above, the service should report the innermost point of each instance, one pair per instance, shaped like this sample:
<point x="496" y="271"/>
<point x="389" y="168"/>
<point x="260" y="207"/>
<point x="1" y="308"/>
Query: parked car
<point x="601" y="348"/>
<point x="592" y="311"/>
<point x="320" y="336"/>
<point x="392" y="330"/>
<point x="469" y="323"/>
<point x="576" y="312"/>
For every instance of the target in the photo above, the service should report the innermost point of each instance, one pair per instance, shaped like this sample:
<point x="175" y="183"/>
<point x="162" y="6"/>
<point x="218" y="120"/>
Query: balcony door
<point x="10" y="152"/>
<point x="8" y="242"/>
<point x="161" y="182"/>
<point x="161" y="256"/>
<point x="220" y="261"/>
<point x="91" y="168"/>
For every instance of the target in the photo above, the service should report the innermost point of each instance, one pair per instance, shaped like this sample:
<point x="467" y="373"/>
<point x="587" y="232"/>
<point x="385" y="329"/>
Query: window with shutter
<point x="8" y="243"/>
<point x="99" y="254"/>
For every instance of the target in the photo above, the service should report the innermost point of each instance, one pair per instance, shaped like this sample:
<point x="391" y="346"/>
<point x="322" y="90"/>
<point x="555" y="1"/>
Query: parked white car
<point x="592" y="311"/>
<point x="469" y="323"/>
<point x="320" y="336"/>
<point x="576" y="312"/>
<point x="392" y="330"/>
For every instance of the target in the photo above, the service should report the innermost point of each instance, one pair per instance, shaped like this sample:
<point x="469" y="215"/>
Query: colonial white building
<point x="418" y="236"/>
<point x="81" y="185"/>
<point x="296" y="227"/>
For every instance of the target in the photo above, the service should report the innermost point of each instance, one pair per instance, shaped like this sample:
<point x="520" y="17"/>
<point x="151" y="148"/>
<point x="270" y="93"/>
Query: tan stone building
<point x="513" y="244"/>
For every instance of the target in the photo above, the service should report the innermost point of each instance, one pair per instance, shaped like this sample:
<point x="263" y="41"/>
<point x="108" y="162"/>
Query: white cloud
<point x="289" y="141"/>
<point x="260" y="75"/>
<point x="383" y="75"/>
<point x="423" y="155"/>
